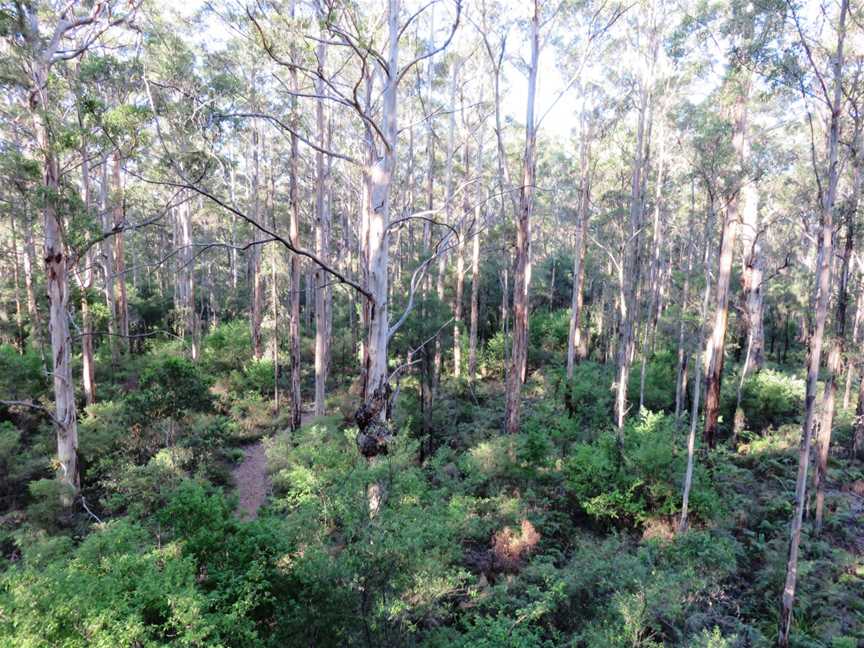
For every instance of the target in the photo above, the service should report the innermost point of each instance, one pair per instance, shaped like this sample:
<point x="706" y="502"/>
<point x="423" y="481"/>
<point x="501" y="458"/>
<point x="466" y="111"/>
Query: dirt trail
<point x="253" y="483"/>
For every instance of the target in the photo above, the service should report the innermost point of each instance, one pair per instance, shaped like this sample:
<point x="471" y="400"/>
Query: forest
<point x="431" y="323"/>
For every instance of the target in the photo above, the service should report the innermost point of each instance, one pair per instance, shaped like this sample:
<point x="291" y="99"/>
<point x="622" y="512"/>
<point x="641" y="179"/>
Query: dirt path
<point x="253" y="483"/>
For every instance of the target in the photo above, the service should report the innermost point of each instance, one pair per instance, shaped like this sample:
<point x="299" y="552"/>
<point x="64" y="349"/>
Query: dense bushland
<point x="556" y="535"/>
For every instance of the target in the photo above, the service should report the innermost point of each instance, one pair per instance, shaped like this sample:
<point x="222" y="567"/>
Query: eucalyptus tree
<point x="829" y="86"/>
<point x="41" y="36"/>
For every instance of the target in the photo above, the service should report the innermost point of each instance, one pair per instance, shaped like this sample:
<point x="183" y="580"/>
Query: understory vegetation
<point x="431" y="324"/>
<point x="553" y="536"/>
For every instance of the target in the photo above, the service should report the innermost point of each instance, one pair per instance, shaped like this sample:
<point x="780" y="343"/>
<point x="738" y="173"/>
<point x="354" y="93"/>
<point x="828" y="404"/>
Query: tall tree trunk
<point x="475" y="296"/>
<point x="522" y="265"/>
<point x="856" y="343"/>
<point x="186" y="279"/>
<point x="295" y="265"/>
<point x="628" y="266"/>
<point x="823" y="293"/>
<point x="699" y="375"/>
<point x="740" y="144"/>
<point x="683" y="355"/>
<point x="835" y="368"/>
<point x="108" y="270"/>
<point x="751" y="278"/>
<point x="460" y="273"/>
<point x="27" y="262"/>
<point x="576" y="347"/>
<point x="57" y="286"/>
<point x="655" y="278"/>
<point x="448" y="210"/>
<point x="256" y="280"/>
<point x="323" y="298"/>
<point x="85" y="281"/>
<point x="122" y="304"/>
<point x="19" y="311"/>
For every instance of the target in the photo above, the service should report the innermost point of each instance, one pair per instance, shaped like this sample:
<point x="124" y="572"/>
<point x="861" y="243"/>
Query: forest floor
<point x="251" y="479"/>
<point x="253" y="485"/>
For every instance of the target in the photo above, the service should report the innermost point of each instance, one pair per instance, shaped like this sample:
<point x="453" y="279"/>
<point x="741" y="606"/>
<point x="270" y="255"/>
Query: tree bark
<point x="576" y="347"/>
<point x="460" y="274"/>
<point x="655" y="278"/>
<point x="740" y="144"/>
<point x="108" y="271"/>
<point x="628" y="266"/>
<point x="295" y="265"/>
<point x="256" y="280"/>
<point x="186" y="279"/>
<point x="323" y="299"/>
<point x="57" y="285"/>
<point x="698" y="378"/>
<point x="475" y="296"/>
<point x="122" y="304"/>
<point x="522" y="265"/>
<point x="823" y="290"/>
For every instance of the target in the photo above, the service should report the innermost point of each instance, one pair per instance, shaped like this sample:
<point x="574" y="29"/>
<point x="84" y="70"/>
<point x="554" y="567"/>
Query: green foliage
<point x="590" y="398"/>
<point x="548" y="331"/>
<point x="115" y="589"/>
<point x="660" y="378"/>
<point x="640" y="481"/>
<point x="489" y="632"/>
<point x="398" y="570"/>
<point x="227" y="347"/>
<point x="141" y="491"/>
<point x="45" y="509"/>
<point x="769" y="399"/>
<point x="21" y="375"/>
<point x="10" y="441"/>
<point x="169" y="388"/>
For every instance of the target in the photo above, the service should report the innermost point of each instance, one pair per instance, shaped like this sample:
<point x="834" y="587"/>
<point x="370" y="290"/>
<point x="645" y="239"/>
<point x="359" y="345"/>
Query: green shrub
<point x="769" y="399"/>
<point x="639" y="481"/>
<point x="45" y="508"/>
<point x="589" y="398"/>
<point x="22" y="376"/>
<point x="115" y="589"/>
<point x="489" y="632"/>
<point x="171" y="387"/>
<point x="549" y="331"/>
<point x="141" y="491"/>
<point x="660" y="379"/>
<point x="227" y="347"/>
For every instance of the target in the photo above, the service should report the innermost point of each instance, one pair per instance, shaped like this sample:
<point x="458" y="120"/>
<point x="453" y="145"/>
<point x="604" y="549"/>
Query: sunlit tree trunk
<point x="576" y="347"/>
<point x="323" y="298"/>
<point x="699" y="375"/>
<point x="294" y="270"/>
<point x="655" y="278"/>
<point x="628" y="265"/>
<point x="522" y="265"/>
<point x="731" y="224"/>
<point x="751" y="278"/>
<point x="19" y="310"/>
<point x="186" y="279"/>
<point x="475" y="296"/>
<point x="256" y="280"/>
<point x="108" y="270"/>
<point x="448" y="209"/>
<point x="84" y="274"/>
<point x="460" y="275"/>
<point x="834" y="370"/>
<point x="823" y="293"/>
<point x="121" y="304"/>
<point x="57" y="285"/>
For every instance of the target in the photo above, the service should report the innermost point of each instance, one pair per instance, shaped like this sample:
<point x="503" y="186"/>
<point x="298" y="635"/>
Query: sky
<point x="562" y="110"/>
